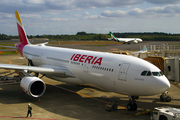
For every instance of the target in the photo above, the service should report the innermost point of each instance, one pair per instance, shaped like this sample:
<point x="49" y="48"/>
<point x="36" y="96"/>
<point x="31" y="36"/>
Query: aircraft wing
<point x="8" y="46"/>
<point x="42" y="70"/>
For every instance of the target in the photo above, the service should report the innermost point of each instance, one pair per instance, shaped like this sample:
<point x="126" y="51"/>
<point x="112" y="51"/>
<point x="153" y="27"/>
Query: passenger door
<point x="123" y="71"/>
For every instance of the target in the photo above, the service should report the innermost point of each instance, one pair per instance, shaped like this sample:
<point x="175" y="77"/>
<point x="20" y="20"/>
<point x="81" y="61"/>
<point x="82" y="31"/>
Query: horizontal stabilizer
<point x="8" y="46"/>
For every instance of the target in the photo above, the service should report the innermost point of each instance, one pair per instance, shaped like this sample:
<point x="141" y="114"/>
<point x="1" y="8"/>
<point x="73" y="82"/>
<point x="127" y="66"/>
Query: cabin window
<point x="143" y="73"/>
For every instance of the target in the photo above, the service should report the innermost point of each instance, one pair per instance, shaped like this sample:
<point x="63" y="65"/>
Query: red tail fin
<point x="22" y="34"/>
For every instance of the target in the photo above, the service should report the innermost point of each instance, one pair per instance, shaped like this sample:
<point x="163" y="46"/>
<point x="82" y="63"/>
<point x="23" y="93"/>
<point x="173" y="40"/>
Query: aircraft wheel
<point x="129" y="107"/>
<point x="162" y="98"/>
<point x="168" y="99"/>
<point x="134" y="106"/>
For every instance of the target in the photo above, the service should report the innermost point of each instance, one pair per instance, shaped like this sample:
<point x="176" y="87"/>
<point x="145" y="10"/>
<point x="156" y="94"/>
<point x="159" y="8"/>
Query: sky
<point x="56" y="17"/>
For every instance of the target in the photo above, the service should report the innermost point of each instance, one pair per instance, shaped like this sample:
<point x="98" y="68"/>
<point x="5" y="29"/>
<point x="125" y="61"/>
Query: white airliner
<point x="144" y="50"/>
<point x="113" y="72"/>
<point x="124" y="40"/>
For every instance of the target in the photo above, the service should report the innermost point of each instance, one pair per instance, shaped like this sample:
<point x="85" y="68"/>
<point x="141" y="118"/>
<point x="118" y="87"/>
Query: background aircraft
<point x="144" y="50"/>
<point x="122" y="74"/>
<point x="124" y="40"/>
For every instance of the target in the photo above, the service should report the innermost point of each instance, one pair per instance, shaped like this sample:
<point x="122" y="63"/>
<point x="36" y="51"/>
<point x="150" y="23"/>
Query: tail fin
<point x="22" y="34"/>
<point x="112" y="36"/>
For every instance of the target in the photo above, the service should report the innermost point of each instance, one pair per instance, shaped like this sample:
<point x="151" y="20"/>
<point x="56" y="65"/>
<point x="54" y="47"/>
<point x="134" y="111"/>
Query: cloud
<point x="86" y="13"/>
<point x="59" y="19"/>
<point x="106" y="3"/>
<point x="34" y="1"/>
<point x="169" y="10"/>
<point x="135" y="12"/>
<point x="31" y="16"/>
<point x="163" y="1"/>
<point x="117" y="13"/>
<point x="25" y="6"/>
<point x="91" y="17"/>
<point x="28" y="6"/>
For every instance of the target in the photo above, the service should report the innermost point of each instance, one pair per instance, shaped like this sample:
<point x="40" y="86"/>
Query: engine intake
<point x="33" y="86"/>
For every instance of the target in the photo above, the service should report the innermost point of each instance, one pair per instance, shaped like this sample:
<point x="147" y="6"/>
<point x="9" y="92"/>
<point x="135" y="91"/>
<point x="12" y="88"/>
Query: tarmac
<point x="63" y="101"/>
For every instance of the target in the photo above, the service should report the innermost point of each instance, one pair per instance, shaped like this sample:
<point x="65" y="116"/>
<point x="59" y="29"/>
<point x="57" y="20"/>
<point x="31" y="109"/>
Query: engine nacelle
<point x="135" y="41"/>
<point x="33" y="86"/>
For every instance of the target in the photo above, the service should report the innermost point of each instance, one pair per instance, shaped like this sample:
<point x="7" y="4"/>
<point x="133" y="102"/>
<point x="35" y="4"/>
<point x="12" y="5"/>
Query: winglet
<point x="18" y="17"/>
<point x="22" y="34"/>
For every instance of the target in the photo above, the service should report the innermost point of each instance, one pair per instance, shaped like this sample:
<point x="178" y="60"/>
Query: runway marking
<point x="27" y="118"/>
<point x="8" y="61"/>
<point x="82" y="94"/>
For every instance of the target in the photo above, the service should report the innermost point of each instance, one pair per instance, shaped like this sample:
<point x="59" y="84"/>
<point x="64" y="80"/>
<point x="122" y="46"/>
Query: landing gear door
<point x="123" y="71"/>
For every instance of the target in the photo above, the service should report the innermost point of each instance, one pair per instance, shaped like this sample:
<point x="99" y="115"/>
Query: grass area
<point x="8" y="52"/>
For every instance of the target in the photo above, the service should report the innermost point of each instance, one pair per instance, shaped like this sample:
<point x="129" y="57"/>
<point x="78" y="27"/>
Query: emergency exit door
<point x="123" y="71"/>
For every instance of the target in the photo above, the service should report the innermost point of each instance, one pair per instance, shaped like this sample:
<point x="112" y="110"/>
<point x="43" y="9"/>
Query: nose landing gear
<point x="132" y="103"/>
<point x="165" y="97"/>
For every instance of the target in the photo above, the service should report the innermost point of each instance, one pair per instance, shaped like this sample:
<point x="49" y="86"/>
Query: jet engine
<point x="33" y="86"/>
<point x="135" y="41"/>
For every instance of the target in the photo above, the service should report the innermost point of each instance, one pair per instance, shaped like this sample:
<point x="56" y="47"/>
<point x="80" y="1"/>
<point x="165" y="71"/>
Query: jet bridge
<point x="170" y="66"/>
<point x="157" y="61"/>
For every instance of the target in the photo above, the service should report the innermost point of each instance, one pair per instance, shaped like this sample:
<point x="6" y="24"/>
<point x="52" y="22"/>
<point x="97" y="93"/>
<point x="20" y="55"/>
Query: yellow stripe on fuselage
<point x="18" y="17"/>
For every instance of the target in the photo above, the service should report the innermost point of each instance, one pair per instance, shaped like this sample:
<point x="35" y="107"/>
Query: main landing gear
<point x="165" y="97"/>
<point x="132" y="103"/>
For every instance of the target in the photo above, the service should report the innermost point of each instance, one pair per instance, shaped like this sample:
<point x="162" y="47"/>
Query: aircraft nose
<point x="164" y="84"/>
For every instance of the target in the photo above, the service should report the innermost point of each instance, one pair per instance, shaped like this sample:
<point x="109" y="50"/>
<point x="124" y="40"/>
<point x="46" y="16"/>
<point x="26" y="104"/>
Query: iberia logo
<point x="86" y="59"/>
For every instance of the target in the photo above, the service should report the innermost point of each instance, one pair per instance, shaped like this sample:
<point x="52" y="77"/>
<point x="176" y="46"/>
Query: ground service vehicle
<point x="166" y="113"/>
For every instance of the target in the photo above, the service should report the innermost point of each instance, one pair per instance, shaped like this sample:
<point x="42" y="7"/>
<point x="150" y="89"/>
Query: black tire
<point x="129" y="107"/>
<point x="161" y="98"/>
<point x="162" y="117"/>
<point x="134" y="106"/>
<point x="168" y="99"/>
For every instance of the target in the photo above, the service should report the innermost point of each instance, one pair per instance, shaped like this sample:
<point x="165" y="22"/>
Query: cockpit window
<point x="143" y="73"/>
<point x="161" y="73"/>
<point x="149" y="73"/>
<point x="157" y="73"/>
